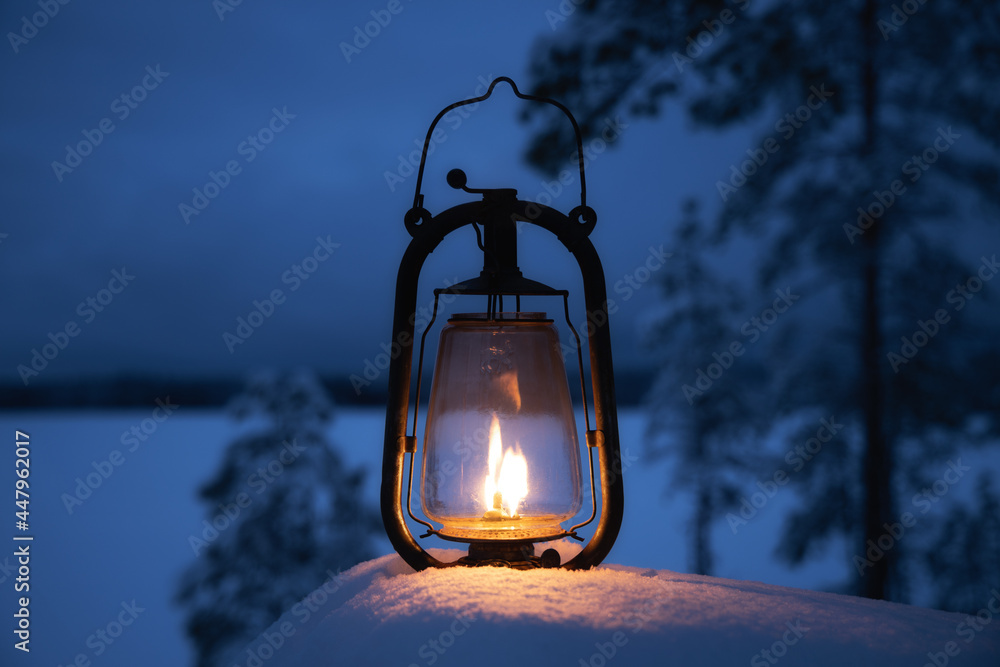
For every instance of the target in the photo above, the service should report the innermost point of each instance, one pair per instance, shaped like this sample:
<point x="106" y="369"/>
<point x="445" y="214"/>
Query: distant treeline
<point x="135" y="391"/>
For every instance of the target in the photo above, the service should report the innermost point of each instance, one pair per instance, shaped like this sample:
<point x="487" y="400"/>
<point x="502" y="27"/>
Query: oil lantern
<point x="500" y="465"/>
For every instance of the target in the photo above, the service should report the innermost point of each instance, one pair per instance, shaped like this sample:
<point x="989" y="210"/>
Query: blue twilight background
<point x="199" y="82"/>
<point x="219" y="77"/>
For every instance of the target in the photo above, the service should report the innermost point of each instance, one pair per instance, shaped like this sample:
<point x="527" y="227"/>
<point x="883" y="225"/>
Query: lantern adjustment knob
<point x="457" y="179"/>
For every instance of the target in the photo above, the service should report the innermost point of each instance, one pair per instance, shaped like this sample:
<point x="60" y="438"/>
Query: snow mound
<point x="383" y="613"/>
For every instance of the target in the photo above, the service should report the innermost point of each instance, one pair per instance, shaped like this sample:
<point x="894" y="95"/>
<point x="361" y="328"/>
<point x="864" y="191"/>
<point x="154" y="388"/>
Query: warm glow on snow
<point x="383" y="613"/>
<point x="506" y="482"/>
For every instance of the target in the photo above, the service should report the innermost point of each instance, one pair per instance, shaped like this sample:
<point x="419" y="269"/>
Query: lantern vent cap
<point x="526" y="317"/>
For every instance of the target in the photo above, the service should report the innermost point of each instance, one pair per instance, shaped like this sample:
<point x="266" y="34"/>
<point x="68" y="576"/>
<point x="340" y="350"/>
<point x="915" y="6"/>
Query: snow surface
<point x="382" y="613"/>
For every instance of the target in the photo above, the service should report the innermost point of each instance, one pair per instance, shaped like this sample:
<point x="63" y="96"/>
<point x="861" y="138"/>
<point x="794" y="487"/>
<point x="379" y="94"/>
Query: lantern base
<point x="510" y="533"/>
<point x="515" y="554"/>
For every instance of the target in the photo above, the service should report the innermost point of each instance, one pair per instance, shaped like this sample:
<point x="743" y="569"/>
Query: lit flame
<point x="507" y="481"/>
<point x="513" y="480"/>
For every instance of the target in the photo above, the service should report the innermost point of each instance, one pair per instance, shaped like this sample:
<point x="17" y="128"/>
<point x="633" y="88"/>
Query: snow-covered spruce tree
<point x="704" y="403"/>
<point x="965" y="556"/>
<point x="876" y="163"/>
<point x="283" y="512"/>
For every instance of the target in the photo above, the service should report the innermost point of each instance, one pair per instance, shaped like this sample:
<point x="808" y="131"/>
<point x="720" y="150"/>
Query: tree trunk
<point x="702" y="519"/>
<point x="877" y="472"/>
<point x="702" y="526"/>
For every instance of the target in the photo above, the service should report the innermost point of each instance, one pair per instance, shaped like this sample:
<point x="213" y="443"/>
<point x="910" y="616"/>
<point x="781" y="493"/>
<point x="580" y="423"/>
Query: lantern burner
<point x="517" y="555"/>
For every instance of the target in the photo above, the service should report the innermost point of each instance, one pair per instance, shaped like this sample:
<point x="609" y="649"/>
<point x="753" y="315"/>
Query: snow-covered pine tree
<point x="965" y="556"/>
<point x="286" y="509"/>
<point x="702" y="421"/>
<point x="877" y="160"/>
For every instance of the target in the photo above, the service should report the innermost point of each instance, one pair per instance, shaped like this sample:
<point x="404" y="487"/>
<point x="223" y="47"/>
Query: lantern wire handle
<point x="418" y="198"/>
<point x="586" y="418"/>
<point x="420" y="362"/>
<point x="416" y="409"/>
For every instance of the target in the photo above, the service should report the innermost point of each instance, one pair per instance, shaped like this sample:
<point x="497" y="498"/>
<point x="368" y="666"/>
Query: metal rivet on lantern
<point x="550" y="558"/>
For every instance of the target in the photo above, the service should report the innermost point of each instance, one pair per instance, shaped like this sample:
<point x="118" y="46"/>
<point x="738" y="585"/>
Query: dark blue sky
<point x="307" y="137"/>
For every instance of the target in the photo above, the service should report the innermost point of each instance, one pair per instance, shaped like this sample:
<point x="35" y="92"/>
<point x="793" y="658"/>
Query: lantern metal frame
<point x="499" y="212"/>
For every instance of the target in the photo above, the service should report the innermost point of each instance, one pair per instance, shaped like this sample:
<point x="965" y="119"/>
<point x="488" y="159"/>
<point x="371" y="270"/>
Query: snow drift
<point x="381" y="612"/>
